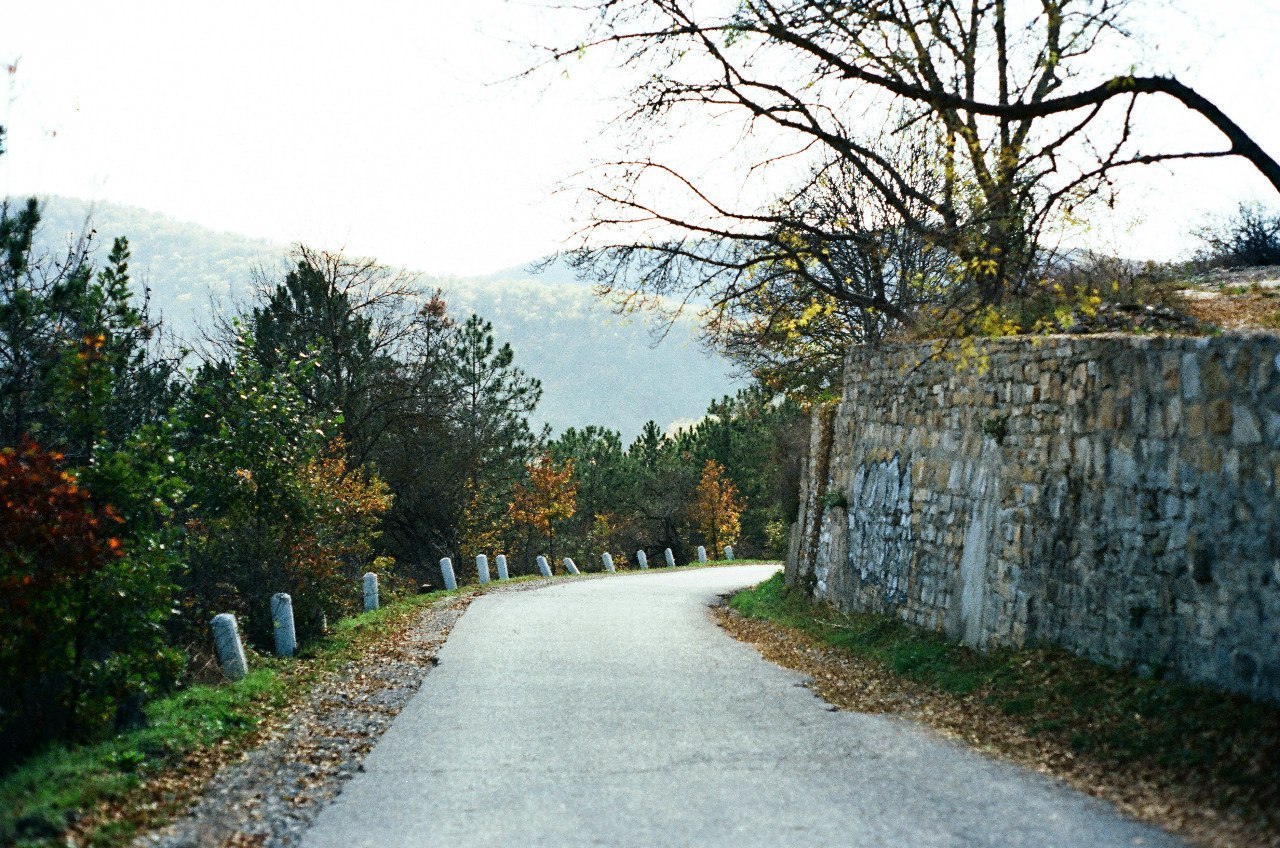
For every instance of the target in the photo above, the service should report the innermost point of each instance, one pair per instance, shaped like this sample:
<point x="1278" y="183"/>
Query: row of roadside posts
<point x="226" y="632"/>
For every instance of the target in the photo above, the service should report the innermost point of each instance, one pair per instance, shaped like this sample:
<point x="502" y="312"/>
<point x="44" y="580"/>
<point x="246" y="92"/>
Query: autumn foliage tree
<point x="275" y="505"/>
<point x="330" y="549"/>
<point x="83" y="391"/>
<point x="75" y="620"/>
<point x="228" y="483"/>
<point x="480" y="523"/>
<point x="716" y="509"/>
<point x="546" y="499"/>
<point x="641" y="496"/>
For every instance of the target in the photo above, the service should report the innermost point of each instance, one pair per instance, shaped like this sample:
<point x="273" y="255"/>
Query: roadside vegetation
<point x="1188" y="758"/>
<point x="345" y="418"/>
<point x="107" y="791"/>
<point x="103" y="794"/>
<point x="342" y="420"/>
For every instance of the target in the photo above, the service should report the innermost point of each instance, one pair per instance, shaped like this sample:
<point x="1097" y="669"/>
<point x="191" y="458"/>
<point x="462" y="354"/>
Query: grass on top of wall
<point x="1107" y="714"/>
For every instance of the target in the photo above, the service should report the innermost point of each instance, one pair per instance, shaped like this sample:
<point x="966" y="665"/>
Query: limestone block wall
<point x="1114" y="495"/>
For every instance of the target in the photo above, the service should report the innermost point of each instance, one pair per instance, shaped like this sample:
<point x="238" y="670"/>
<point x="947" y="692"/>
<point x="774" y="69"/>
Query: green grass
<point x="39" y="798"/>
<point x="1107" y="713"/>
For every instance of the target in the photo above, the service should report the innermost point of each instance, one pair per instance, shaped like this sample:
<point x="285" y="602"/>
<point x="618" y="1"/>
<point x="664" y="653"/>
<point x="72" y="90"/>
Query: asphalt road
<point x="614" y="712"/>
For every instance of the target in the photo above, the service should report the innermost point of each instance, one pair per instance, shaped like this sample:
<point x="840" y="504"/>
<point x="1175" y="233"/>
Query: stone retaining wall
<point x="1115" y="495"/>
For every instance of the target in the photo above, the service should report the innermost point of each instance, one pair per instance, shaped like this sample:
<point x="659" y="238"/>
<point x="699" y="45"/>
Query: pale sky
<point x="377" y="126"/>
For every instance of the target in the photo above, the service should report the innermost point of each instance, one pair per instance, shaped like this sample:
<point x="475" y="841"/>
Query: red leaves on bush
<point x="50" y="532"/>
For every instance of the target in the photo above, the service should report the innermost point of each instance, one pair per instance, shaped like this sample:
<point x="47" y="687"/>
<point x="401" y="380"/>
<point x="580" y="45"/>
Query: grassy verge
<point x="1097" y="723"/>
<point x="187" y="735"/>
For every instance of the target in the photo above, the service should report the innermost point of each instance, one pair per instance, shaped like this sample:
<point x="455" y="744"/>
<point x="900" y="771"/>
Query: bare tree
<point x="353" y="321"/>
<point x="846" y="271"/>
<point x="999" y="86"/>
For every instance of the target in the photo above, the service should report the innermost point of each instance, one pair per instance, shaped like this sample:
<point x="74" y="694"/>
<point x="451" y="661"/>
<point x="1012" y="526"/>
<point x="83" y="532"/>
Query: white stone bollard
<point x="282" y="620"/>
<point x="370" y="591"/>
<point x="570" y="567"/>
<point x="501" y="561"/>
<point x="482" y="568"/>
<point x="607" y="559"/>
<point x="226" y="643"/>
<point x="543" y="566"/>
<point x="728" y="552"/>
<point x="446" y="572"/>
<point x="642" y="559"/>
<point x="670" y="557"/>
<point x="702" y="553"/>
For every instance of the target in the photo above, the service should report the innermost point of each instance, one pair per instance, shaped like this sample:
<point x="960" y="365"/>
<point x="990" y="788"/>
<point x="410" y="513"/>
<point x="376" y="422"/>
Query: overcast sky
<point x="378" y="126"/>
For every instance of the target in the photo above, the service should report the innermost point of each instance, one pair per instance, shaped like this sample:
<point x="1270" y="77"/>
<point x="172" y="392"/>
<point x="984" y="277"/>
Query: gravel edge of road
<point x="270" y="795"/>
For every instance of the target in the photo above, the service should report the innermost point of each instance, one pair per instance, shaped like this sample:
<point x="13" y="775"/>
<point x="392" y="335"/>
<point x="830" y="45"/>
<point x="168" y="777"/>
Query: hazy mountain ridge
<point x="596" y="367"/>
<point x="554" y="270"/>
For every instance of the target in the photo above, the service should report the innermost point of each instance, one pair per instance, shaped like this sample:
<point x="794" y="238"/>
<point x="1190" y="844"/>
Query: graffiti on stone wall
<point x="880" y="542"/>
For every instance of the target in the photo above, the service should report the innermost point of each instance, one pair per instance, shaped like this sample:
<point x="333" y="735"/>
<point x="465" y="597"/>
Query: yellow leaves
<point x="982" y="266"/>
<point x="550" y="495"/>
<point x="995" y="324"/>
<point x="716" y="509"/>
<point x="821" y="307"/>
<point x="790" y="239"/>
<point x="799" y="249"/>
<point x="603" y="528"/>
<point x="1121" y="83"/>
<point x="478" y="529"/>
<point x="1048" y="308"/>
<point x="353" y="492"/>
<point x="794" y="324"/>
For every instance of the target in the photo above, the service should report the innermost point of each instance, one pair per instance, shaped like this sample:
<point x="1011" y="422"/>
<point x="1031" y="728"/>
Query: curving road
<point x="613" y="712"/>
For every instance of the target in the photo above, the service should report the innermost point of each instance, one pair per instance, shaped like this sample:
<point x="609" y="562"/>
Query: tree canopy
<point x="930" y="146"/>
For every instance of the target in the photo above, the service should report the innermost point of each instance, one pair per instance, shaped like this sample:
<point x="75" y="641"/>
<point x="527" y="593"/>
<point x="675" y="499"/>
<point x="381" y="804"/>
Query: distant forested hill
<point x="596" y="367"/>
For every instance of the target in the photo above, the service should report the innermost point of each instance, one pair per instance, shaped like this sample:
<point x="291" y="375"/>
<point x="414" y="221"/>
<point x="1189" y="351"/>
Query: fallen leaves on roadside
<point x="1177" y="801"/>
<point x="304" y="751"/>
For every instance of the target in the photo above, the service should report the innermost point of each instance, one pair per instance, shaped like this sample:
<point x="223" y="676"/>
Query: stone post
<point x="226" y="643"/>
<point x="607" y="559"/>
<point x="642" y="559"/>
<point x="482" y="568"/>
<point x="282" y="619"/>
<point x="446" y="572"/>
<point x="670" y="557"/>
<point x="501" y="561"/>
<point x="543" y="567"/>
<point x="702" y="553"/>
<point x="570" y="567"/>
<point x="728" y="552"/>
<point x="370" y="591"/>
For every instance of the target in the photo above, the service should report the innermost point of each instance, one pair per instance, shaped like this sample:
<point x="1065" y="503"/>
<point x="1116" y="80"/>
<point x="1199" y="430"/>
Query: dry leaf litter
<point x="1145" y="792"/>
